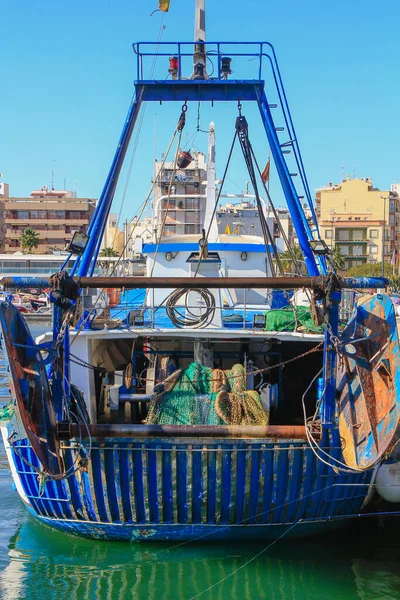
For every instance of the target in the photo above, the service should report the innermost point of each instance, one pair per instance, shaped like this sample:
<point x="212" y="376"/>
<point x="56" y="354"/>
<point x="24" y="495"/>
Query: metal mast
<point x="199" y="56"/>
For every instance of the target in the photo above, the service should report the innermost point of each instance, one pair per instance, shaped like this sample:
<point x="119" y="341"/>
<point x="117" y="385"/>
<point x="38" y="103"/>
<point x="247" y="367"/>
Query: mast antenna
<point x="199" y="56"/>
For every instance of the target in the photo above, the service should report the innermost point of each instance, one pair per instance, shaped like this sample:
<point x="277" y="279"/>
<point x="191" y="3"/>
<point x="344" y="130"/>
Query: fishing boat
<point x="181" y="424"/>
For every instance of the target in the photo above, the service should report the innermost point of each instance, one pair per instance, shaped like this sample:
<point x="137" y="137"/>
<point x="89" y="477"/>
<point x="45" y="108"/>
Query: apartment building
<point x="185" y="215"/>
<point x="54" y="215"/>
<point x="360" y="219"/>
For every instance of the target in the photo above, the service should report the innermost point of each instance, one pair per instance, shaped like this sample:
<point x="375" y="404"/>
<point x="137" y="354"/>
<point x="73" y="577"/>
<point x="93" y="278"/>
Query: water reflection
<point x="39" y="563"/>
<point x="68" y="567"/>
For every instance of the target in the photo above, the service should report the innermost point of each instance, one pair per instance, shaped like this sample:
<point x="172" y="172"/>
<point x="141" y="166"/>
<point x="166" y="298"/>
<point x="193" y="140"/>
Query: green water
<point x="39" y="563"/>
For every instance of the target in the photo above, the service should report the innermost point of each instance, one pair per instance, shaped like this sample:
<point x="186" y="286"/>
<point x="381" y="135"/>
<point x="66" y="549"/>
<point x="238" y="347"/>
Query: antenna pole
<point x="52" y="173"/>
<point x="199" y="56"/>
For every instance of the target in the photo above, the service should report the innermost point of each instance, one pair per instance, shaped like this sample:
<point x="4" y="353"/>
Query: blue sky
<point x="67" y="72"/>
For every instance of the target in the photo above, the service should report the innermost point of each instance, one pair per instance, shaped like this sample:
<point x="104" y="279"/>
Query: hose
<point x="191" y="319"/>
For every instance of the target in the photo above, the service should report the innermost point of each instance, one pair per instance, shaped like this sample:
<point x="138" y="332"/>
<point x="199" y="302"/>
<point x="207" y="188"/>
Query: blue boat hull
<point x="182" y="489"/>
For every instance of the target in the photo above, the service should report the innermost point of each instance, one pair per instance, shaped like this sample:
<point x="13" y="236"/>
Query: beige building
<point x="54" y="215"/>
<point x="113" y="236"/>
<point x="360" y="219"/>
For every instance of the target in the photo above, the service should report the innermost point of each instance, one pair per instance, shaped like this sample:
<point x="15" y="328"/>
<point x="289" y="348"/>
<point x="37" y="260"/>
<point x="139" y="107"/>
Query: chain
<point x="182" y="118"/>
<point x="317" y="348"/>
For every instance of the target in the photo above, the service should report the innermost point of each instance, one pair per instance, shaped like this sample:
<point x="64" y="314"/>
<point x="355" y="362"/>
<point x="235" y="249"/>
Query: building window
<point x="373" y="233"/>
<point x="392" y="206"/>
<point x="169" y="230"/>
<point x="192" y="217"/>
<point x="171" y="216"/>
<point x="373" y="250"/>
<point x="391" y="220"/>
<point x="328" y="234"/>
<point x="193" y="203"/>
<point x="170" y="204"/>
<point x="22" y="214"/>
<point x="37" y="214"/>
<point x="191" y="229"/>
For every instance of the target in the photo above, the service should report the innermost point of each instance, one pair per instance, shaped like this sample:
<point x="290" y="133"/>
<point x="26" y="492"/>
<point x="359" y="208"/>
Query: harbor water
<point x="361" y="560"/>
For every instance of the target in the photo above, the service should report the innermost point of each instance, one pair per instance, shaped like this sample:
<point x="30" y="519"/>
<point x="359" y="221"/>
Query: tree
<point x="29" y="239"/>
<point x="370" y="270"/>
<point x="108" y="252"/>
<point x="288" y="258"/>
<point x="337" y="258"/>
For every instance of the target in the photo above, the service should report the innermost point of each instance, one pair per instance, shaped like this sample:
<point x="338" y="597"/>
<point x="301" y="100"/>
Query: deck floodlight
<point x="259" y="321"/>
<point x="319" y="247"/>
<point x="78" y="243"/>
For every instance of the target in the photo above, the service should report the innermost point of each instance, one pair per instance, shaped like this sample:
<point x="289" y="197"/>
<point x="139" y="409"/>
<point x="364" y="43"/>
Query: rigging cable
<point x="202" y="250"/>
<point x="278" y="221"/>
<point x="243" y="134"/>
<point x="102" y="294"/>
<point x="180" y="127"/>
<point x="141" y="119"/>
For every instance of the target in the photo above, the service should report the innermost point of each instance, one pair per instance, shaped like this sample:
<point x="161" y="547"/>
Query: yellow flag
<point x="163" y="5"/>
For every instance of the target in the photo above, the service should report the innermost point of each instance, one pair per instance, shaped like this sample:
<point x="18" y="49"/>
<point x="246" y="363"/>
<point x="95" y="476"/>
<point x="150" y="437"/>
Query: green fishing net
<point x="204" y="396"/>
<point x="6" y="412"/>
<point x="289" y="319"/>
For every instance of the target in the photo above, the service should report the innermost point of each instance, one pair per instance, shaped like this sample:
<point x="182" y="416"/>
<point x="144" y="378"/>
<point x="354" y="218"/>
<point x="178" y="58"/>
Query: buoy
<point x="184" y="159"/>
<point x="387" y="481"/>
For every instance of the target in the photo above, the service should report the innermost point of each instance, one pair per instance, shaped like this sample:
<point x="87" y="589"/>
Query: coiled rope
<point x="191" y="319"/>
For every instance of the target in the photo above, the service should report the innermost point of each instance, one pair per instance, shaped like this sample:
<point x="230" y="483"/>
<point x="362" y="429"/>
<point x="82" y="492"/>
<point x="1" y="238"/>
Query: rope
<point x="247" y="562"/>
<point x="116" y="264"/>
<point x="136" y="142"/>
<point x="180" y="127"/>
<point x="190" y="319"/>
<point x="245" y="144"/>
<point x="277" y="219"/>
<point x="216" y="204"/>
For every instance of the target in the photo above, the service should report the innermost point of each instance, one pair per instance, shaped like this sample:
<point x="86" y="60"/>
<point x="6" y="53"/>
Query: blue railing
<point x="184" y="50"/>
<point x="264" y="56"/>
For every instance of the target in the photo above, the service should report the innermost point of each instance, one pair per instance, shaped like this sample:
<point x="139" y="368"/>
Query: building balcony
<point x="348" y="241"/>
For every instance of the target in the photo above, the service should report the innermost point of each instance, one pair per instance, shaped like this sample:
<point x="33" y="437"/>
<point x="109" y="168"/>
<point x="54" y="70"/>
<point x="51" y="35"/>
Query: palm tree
<point x="29" y="239"/>
<point x="292" y="261"/>
<point x="108" y="252"/>
<point x="338" y="258"/>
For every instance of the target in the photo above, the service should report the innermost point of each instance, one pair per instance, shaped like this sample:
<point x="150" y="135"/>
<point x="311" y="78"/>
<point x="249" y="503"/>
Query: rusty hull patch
<point x="368" y="382"/>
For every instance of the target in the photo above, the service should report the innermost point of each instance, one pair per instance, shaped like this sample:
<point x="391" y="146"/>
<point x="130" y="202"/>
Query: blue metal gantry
<point x="217" y="89"/>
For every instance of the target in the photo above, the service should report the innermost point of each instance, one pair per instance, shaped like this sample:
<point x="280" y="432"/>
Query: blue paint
<point x="109" y="471"/>
<point x="167" y="488"/>
<point x="254" y="486"/>
<point x="240" y="483"/>
<point x="299" y="220"/>
<point x="195" y="91"/>
<point x="197" y="485"/>
<point x="211" y="486"/>
<point x="226" y="480"/>
<point x="138" y="483"/>
<point x="97" y="469"/>
<point x="181" y="484"/>
<point x="330" y="359"/>
<point x="152" y="482"/>
<point x="297" y="491"/>
<point x="267" y="472"/>
<point x="190" y="247"/>
<point x="125" y="474"/>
